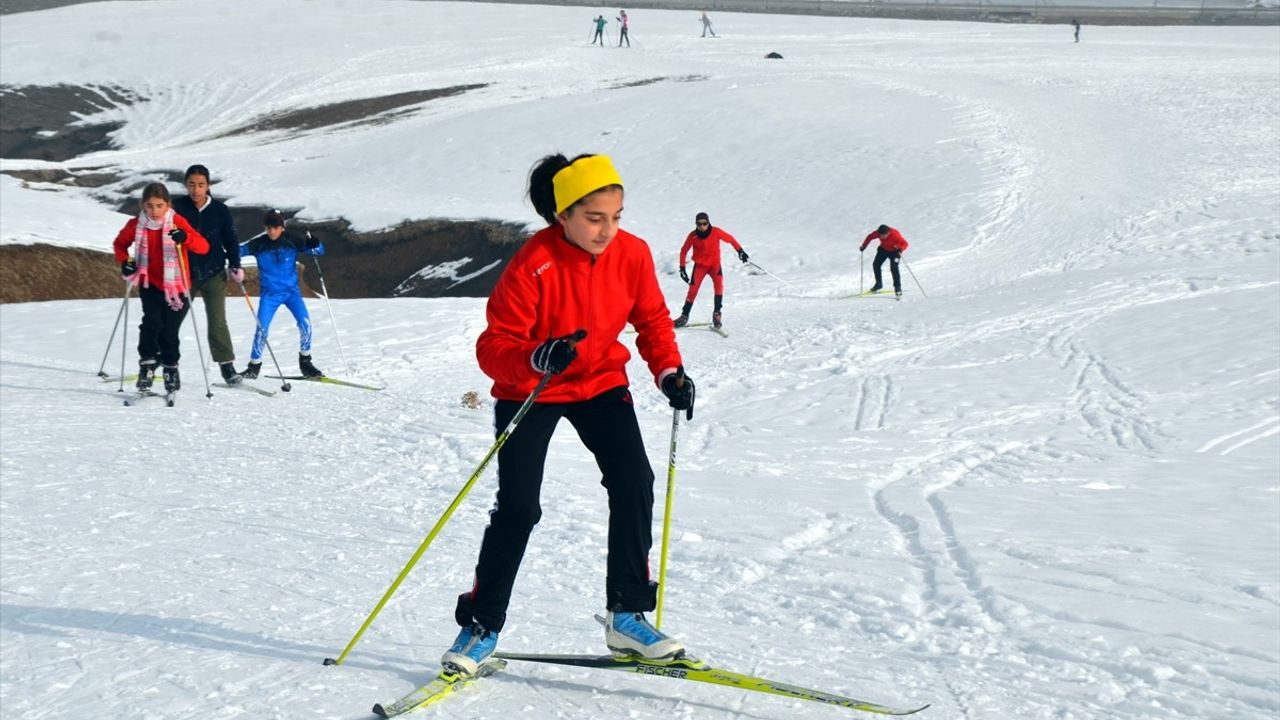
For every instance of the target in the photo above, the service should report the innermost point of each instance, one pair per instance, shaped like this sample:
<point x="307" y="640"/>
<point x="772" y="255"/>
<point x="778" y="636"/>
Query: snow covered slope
<point x="1048" y="490"/>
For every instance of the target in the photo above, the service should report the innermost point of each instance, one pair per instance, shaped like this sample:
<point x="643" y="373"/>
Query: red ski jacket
<point x="550" y="289"/>
<point x="706" y="251"/>
<point x="893" y="242"/>
<point x="155" y="251"/>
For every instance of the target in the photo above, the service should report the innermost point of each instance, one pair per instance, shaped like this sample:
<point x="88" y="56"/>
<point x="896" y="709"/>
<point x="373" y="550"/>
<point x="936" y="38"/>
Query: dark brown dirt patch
<point x="366" y="111"/>
<point x="43" y="123"/>
<point x="31" y="273"/>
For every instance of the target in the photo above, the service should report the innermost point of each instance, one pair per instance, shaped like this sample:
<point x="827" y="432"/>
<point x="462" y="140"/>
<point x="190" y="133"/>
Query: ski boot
<point x="897" y="294"/>
<point x="308" y="370"/>
<point x="628" y="633"/>
<point x="876" y="288"/>
<point x="172" y="382"/>
<point x="474" y="645"/>
<point x="146" y="374"/>
<point x="251" y="370"/>
<point x="684" y="315"/>
<point x="715" y="320"/>
<point x="229" y="374"/>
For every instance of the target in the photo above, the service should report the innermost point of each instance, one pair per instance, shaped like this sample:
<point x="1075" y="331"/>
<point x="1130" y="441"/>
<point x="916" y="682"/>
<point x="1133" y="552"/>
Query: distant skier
<point x="892" y="245"/>
<point x="277" y="253"/>
<point x="705" y="240"/>
<point x="151" y="250"/>
<point x="625" y="25"/>
<point x="600" y="23"/>
<point x="1076" y="23"/>
<point x="568" y="292"/>
<point x="209" y="272"/>
<point x="706" y="25"/>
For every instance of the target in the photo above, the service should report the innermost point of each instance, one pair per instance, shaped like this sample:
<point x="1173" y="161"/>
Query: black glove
<point x="684" y="275"/>
<point x="681" y="397"/>
<point x="312" y="242"/>
<point x="179" y="235"/>
<point x="128" y="267"/>
<point x="742" y="255"/>
<point x="554" y="355"/>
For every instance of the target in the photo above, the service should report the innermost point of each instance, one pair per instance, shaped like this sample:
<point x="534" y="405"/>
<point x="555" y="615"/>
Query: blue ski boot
<point x="628" y="633"/>
<point x="474" y="645"/>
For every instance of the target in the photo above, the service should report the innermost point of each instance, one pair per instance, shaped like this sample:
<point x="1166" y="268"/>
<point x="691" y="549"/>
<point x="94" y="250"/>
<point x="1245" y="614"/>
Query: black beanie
<point x="701" y="216"/>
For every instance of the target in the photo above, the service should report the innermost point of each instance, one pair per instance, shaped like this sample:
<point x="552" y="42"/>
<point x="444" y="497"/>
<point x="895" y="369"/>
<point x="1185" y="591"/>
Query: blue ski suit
<point x="278" y="277"/>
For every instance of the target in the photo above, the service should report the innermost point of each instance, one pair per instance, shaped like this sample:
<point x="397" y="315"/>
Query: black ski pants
<point x="893" y="258"/>
<point x="607" y="426"/>
<point x="158" y="333"/>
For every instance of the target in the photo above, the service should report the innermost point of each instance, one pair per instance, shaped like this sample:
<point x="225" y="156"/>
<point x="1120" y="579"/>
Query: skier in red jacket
<point x="705" y="240"/>
<point x="558" y="310"/>
<point x="892" y="245"/>
<point x="151" y="249"/>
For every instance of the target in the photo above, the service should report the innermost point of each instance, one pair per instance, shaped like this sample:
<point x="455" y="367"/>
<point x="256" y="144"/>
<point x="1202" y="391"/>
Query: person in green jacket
<point x="600" y="23"/>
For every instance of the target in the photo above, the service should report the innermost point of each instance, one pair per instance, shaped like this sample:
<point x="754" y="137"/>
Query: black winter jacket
<point x="215" y="224"/>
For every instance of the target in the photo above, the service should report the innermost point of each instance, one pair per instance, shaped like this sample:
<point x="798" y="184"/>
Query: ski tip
<point x="379" y="710"/>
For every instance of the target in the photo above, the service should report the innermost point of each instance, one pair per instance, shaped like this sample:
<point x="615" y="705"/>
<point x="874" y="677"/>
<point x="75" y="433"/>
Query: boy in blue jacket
<point x="277" y="253"/>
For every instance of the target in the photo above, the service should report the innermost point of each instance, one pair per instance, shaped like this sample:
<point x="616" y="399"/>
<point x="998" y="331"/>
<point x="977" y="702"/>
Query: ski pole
<point x="124" y="339"/>
<point x="457" y="500"/>
<point x="666" y="511"/>
<point x="775" y="277"/>
<point x="325" y="291"/>
<point x="128" y="286"/>
<point x="191" y="309"/>
<point x="861" y="261"/>
<point x="284" y="384"/>
<point x="913" y="277"/>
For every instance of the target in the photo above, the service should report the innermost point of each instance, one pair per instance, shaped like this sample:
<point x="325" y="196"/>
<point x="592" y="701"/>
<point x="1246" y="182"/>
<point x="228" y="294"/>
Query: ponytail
<point x="542" y="189"/>
<point x="542" y="192"/>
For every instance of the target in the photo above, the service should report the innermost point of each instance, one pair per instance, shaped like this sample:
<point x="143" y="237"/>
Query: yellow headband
<point x="581" y="178"/>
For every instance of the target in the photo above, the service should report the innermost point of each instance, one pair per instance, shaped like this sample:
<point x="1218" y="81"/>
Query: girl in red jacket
<point x="148" y="249"/>
<point x="705" y="240"/>
<point x="580" y="273"/>
<point x="892" y="245"/>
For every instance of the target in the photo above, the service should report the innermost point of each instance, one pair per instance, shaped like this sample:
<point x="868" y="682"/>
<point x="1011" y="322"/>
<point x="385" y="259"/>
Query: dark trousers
<point x="607" y="426"/>
<point x="892" y="257"/>
<point x="624" y="36"/>
<point x="158" y="333"/>
<point x="599" y="36"/>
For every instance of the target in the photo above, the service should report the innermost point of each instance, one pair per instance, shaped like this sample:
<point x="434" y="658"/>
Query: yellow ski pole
<point x="666" y="511"/>
<point x="426" y="542"/>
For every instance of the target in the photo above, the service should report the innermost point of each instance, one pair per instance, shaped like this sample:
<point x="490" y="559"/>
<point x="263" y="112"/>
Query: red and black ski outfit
<point x="164" y="301"/>
<point x="706" y="259"/>
<point x="891" y="247"/>
<point x="552" y="288"/>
